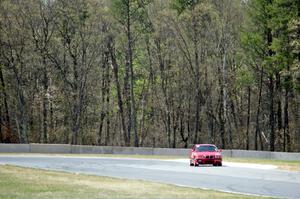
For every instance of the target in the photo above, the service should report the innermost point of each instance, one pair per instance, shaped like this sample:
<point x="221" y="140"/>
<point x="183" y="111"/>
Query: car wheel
<point x="215" y="165"/>
<point x="220" y="164"/>
<point x="195" y="163"/>
<point x="191" y="163"/>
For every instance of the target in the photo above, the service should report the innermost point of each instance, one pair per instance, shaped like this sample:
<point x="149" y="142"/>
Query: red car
<point x="205" y="154"/>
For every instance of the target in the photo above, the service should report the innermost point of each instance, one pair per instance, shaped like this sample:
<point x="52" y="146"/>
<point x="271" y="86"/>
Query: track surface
<point x="268" y="182"/>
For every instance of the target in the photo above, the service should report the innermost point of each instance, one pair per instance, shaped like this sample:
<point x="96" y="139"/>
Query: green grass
<point x="25" y="183"/>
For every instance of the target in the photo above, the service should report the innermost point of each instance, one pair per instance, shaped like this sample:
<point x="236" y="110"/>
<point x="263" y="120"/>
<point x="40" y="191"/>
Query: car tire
<point x="191" y="163"/>
<point x="195" y="164"/>
<point x="220" y="164"/>
<point x="215" y="164"/>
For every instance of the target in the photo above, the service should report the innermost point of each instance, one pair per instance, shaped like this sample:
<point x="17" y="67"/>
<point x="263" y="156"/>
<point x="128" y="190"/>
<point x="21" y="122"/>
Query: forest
<point x="151" y="73"/>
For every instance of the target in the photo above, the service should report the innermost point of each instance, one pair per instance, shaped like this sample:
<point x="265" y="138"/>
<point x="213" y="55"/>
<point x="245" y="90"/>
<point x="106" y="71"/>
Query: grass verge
<point x="25" y="183"/>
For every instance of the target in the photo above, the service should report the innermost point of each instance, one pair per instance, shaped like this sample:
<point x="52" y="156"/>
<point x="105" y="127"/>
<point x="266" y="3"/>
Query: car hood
<point x="208" y="153"/>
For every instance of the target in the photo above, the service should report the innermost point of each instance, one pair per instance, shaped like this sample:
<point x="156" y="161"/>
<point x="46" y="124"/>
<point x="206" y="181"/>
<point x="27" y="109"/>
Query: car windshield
<point x="206" y="148"/>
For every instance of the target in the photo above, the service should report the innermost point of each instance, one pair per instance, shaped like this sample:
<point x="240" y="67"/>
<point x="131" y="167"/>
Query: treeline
<point x="155" y="73"/>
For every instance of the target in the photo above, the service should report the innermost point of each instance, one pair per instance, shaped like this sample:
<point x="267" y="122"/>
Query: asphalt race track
<point x="247" y="180"/>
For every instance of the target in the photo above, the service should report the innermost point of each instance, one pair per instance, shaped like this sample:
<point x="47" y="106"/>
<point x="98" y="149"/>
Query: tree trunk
<point x="168" y="125"/>
<point x="102" y="116"/>
<point x="23" y="118"/>
<point x="271" y="93"/>
<point x="78" y="90"/>
<point x="142" y="121"/>
<point x="209" y="107"/>
<point x="120" y="101"/>
<point x="210" y="121"/>
<point x="7" y="133"/>
<point x="66" y="138"/>
<point x="145" y="92"/>
<point x="103" y="92"/>
<point x="197" y="82"/>
<point x="1" y="136"/>
<point x="127" y="102"/>
<point x="271" y="116"/>
<point x="233" y="111"/>
<point x="175" y="126"/>
<point x="222" y="110"/>
<point x="107" y="137"/>
<point x="144" y="95"/>
<point x="132" y="97"/>
<point x="51" y="119"/>
<point x="279" y="109"/>
<point x="257" y="126"/>
<point x="188" y="121"/>
<point x="248" y="117"/>
<point x="286" y="136"/>
<point x="45" y="103"/>
<point x="182" y="130"/>
<point x="167" y="114"/>
<point x="75" y="106"/>
<point x="75" y="125"/>
<point x="222" y="122"/>
<point x="197" y="121"/>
